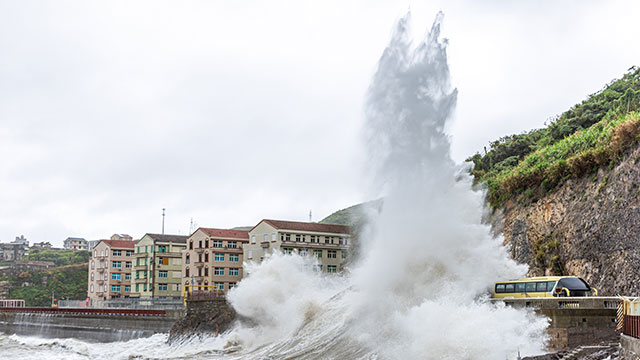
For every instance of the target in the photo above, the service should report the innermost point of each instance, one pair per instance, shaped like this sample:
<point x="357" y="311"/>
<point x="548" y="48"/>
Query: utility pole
<point x="163" y="221"/>
<point x="310" y="216"/>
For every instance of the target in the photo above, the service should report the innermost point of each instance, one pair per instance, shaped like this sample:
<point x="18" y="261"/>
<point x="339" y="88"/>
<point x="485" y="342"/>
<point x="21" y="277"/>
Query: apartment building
<point x="110" y="269"/>
<point x="214" y="257"/>
<point x="329" y="243"/>
<point x="158" y="266"/>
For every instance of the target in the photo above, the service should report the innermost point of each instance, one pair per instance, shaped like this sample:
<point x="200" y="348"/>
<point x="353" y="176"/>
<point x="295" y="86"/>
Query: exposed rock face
<point x="205" y="317"/>
<point x="588" y="227"/>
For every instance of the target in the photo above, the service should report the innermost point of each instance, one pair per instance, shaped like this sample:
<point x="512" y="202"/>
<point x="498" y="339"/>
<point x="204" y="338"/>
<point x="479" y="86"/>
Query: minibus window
<point x="531" y="287"/>
<point x="499" y="288"/>
<point x="541" y="287"/>
<point x="550" y="285"/>
<point x="520" y="287"/>
<point x="509" y="288"/>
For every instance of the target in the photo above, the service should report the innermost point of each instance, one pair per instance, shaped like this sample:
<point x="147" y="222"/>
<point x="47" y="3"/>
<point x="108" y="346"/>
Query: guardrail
<point x="587" y="302"/>
<point x="12" y="303"/>
<point x="128" y="303"/>
<point x="86" y="311"/>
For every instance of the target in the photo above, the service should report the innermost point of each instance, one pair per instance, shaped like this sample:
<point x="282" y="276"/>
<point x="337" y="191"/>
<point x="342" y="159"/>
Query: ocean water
<point x="420" y="288"/>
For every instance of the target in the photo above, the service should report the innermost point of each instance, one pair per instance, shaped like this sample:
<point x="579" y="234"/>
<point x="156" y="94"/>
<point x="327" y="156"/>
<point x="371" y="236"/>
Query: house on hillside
<point x="75" y="243"/>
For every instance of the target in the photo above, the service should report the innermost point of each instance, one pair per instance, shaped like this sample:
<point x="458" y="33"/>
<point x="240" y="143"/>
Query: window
<point x="92" y="264"/>
<point x="332" y="268"/>
<point x="206" y="271"/>
<point x="91" y="288"/>
<point x="287" y="251"/>
<point x="116" y="264"/>
<point x="287" y="237"/>
<point x="127" y="276"/>
<point x="129" y="252"/>
<point x="217" y="243"/>
<point x="95" y="253"/>
<point x="332" y="254"/>
<point x="137" y="287"/>
<point x="520" y="287"/>
<point x="235" y="257"/>
<point x="313" y="238"/>
<point x="317" y="253"/>
<point x="253" y="239"/>
<point x="265" y="237"/>
<point x="232" y="244"/>
<point x="541" y="287"/>
<point x="219" y="257"/>
<point x="116" y="253"/>
<point x="531" y="287"/>
<point x="206" y="243"/>
<point x="200" y="244"/>
<point x="127" y="264"/>
<point x="163" y="274"/>
<point x="105" y="277"/>
<point x="234" y="272"/>
<point x="186" y="261"/>
<point x="303" y="252"/>
<point x="115" y="288"/>
<point x="343" y="241"/>
<point x="249" y="254"/>
<point x="144" y="287"/>
<point x="206" y="257"/>
<point x="163" y="261"/>
<point x="91" y="276"/>
<point x="281" y="236"/>
<point x="190" y="245"/>
<point x="162" y="287"/>
<point x="232" y="285"/>
<point x="509" y="288"/>
<point x="127" y="288"/>
<point x="499" y="288"/>
<point x="218" y="271"/>
<point x="344" y="254"/>
<point x="186" y="272"/>
<point x="105" y="288"/>
<point x="218" y="285"/>
<point x="318" y="268"/>
<point x="273" y="237"/>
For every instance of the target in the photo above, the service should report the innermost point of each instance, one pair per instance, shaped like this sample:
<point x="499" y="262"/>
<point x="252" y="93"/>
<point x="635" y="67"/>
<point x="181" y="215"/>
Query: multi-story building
<point x="121" y="237"/>
<point x="214" y="257"/>
<point x="74" y="243"/>
<point x="42" y="245"/>
<point x="91" y="244"/>
<point x="110" y="270"/>
<point x="158" y="266"/>
<point x="14" y="250"/>
<point x="329" y="243"/>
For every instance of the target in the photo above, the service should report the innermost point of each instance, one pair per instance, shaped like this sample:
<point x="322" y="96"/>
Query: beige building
<point x="329" y="243"/>
<point x="110" y="269"/>
<point x="158" y="266"/>
<point x="214" y="257"/>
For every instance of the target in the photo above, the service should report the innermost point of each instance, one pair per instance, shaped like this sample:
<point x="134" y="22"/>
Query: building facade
<point x="158" y="266"/>
<point x="329" y="243"/>
<point x="214" y="258"/>
<point x="74" y="243"/>
<point x="110" y="270"/>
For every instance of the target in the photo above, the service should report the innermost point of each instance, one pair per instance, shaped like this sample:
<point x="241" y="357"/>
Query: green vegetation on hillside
<point x="59" y="257"/>
<point x="36" y="287"/>
<point x="593" y="133"/>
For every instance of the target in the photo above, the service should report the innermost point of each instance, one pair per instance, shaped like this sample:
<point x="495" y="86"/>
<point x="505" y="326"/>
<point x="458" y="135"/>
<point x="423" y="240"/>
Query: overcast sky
<point x="228" y="112"/>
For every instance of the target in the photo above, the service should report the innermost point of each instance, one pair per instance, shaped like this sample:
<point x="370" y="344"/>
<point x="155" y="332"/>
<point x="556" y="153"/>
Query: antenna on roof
<point x="310" y="216"/>
<point x="163" y="221"/>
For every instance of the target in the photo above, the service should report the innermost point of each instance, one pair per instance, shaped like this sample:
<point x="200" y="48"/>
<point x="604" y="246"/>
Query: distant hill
<point x="354" y="215"/>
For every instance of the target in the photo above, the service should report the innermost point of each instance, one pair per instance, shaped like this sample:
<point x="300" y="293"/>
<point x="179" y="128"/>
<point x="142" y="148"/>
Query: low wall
<point x="629" y="348"/>
<point x="575" y="321"/>
<point x="88" y="324"/>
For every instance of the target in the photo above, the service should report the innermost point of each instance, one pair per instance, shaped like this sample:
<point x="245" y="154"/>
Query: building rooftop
<point x="124" y="244"/>
<point x="224" y="233"/>
<point x="307" y="226"/>
<point x="168" y="238"/>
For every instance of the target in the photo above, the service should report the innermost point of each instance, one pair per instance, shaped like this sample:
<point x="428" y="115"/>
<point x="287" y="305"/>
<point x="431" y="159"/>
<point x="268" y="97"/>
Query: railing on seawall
<point x="86" y="311"/>
<point x="587" y="302"/>
<point x="629" y="316"/>
<point x="12" y="303"/>
<point x="126" y="303"/>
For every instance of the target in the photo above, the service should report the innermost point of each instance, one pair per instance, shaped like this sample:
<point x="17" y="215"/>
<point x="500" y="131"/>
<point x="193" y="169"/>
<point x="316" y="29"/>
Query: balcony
<point x="101" y="269"/>
<point x="264" y="244"/>
<point x="100" y="281"/>
<point x="199" y="279"/>
<point x="140" y="267"/>
<point x="99" y="293"/>
<point x="299" y="244"/>
<point x="169" y="254"/>
<point x="142" y="254"/>
<point x="200" y="250"/>
<point x="198" y="263"/>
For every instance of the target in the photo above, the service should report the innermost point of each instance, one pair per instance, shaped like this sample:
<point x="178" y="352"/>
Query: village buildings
<point x="213" y="259"/>
<point x="74" y="243"/>
<point x="158" y="266"/>
<point x="110" y="270"/>
<point x="329" y="243"/>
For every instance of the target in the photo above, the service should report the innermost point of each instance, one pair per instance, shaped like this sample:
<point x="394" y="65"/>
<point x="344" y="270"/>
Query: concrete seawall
<point x="99" y="327"/>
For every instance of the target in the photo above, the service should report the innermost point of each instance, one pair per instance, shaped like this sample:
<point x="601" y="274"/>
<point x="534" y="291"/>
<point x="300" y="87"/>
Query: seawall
<point x="203" y="317"/>
<point x="100" y="325"/>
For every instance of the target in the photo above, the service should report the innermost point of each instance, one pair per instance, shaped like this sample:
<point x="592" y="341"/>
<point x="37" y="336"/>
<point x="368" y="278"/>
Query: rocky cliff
<point x="588" y="227"/>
